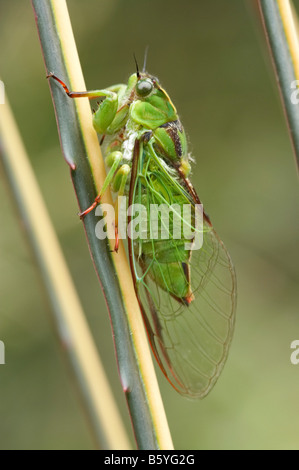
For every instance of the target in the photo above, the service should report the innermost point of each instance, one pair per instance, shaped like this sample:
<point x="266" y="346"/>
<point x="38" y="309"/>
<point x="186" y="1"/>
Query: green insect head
<point x="151" y="106"/>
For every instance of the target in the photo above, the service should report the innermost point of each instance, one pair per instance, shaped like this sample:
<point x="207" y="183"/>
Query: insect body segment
<point x="187" y="296"/>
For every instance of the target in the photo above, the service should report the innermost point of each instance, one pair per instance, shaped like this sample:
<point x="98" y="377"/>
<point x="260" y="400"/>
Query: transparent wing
<point x="189" y="340"/>
<point x="191" y="343"/>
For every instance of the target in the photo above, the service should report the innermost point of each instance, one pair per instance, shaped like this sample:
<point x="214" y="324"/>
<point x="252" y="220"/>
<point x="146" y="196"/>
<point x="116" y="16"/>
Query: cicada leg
<point x="117" y="177"/>
<point x="113" y="160"/>
<point x="107" y="111"/>
<point x="119" y="186"/>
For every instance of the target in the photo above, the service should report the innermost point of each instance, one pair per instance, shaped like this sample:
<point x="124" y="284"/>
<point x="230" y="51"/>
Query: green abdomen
<point x="162" y="253"/>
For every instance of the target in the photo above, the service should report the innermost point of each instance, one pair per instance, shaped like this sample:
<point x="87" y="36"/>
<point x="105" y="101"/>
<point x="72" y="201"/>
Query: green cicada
<point x="187" y="296"/>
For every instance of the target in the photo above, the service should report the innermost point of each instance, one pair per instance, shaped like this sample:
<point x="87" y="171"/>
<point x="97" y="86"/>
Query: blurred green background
<point x="212" y="59"/>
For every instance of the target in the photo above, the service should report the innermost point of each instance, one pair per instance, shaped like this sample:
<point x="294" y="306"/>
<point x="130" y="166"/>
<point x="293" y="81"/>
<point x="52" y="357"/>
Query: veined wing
<point x="190" y="340"/>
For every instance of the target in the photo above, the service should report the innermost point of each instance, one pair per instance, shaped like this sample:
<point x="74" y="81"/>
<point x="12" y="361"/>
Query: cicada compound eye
<point x="144" y="87"/>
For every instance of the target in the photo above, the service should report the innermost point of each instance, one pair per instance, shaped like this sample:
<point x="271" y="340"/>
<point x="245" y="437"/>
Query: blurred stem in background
<point x="70" y="321"/>
<point x="281" y="27"/>
<point x="81" y="150"/>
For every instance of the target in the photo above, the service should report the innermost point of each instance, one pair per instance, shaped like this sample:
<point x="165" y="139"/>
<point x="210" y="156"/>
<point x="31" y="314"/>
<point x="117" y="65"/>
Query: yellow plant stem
<point x="139" y="338"/>
<point x="72" y="327"/>
<point x="290" y="23"/>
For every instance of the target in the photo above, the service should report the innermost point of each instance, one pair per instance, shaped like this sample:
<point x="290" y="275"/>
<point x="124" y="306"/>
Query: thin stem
<point x="81" y="150"/>
<point x="280" y="23"/>
<point x="69" y="318"/>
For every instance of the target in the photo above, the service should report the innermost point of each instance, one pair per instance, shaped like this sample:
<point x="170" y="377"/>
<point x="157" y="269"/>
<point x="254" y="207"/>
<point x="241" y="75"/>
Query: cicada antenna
<point x="145" y="58"/>
<point x="137" y="68"/>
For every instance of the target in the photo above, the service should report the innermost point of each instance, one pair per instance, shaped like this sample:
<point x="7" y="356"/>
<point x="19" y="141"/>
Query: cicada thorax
<point x="170" y="139"/>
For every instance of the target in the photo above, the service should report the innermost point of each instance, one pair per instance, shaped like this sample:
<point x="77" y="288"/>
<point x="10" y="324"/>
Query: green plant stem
<point x="280" y="26"/>
<point x="72" y="328"/>
<point x="82" y="152"/>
